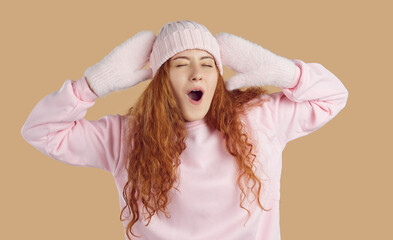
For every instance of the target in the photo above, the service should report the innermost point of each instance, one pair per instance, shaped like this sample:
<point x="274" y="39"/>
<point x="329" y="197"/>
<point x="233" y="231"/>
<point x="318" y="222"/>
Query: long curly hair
<point x="156" y="136"/>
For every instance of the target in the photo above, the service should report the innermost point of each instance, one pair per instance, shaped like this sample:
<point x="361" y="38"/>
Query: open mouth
<point x="195" y="95"/>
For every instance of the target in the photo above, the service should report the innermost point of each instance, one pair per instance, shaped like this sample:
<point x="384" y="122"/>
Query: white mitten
<point x="254" y="65"/>
<point x="123" y="66"/>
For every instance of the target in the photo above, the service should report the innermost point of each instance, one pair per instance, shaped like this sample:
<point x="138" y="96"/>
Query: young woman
<point x="195" y="157"/>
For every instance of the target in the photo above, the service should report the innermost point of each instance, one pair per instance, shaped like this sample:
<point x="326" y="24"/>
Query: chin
<point x="193" y="118"/>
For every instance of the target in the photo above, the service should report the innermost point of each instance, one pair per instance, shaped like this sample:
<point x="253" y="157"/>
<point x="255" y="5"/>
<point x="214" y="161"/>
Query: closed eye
<point x="202" y="65"/>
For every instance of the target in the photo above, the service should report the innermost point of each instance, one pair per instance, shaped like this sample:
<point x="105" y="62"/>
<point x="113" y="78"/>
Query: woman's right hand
<point x="123" y="66"/>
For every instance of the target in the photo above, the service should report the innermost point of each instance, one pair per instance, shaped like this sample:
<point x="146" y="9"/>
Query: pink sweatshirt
<point x="208" y="205"/>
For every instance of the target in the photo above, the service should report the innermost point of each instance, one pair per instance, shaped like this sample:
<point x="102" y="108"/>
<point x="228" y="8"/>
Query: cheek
<point x="213" y="86"/>
<point x="177" y="88"/>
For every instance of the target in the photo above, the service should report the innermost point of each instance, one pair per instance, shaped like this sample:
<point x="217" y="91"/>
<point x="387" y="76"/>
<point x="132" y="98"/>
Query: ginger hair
<point x="155" y="138"/>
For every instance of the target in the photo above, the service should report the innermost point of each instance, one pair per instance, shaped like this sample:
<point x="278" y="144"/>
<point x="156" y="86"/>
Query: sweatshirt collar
<point x="195" y="124"/>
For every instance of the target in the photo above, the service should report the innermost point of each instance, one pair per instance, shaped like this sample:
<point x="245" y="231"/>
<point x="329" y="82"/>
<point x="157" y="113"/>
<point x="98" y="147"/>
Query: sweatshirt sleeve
<point x="57" y="128"/>
<point x="314" y="97"/>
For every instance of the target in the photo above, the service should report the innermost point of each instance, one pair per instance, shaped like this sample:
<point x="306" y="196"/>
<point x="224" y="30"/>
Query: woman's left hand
<point x="254" y="65"/>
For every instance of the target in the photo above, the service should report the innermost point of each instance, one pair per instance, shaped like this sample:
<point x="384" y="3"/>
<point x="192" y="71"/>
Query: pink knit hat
<point x="175" y="37"/>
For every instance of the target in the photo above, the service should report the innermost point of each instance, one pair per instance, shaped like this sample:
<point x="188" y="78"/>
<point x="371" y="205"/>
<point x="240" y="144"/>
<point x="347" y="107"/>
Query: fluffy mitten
<point x="123" y="66"/>
<point x="254" y="65"/>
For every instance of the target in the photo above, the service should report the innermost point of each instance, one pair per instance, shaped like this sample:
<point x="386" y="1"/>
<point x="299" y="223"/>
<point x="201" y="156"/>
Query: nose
<point x="196" y="73"/>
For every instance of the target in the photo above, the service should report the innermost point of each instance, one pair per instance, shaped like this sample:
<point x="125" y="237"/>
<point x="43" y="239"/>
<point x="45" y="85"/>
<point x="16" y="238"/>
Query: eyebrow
<point x="204" y="57"/>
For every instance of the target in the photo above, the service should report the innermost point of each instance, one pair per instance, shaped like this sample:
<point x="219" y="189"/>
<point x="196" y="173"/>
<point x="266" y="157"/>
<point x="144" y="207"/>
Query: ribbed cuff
<point x="82" y="91"/>
<point x="296" y="78"/>
<point x="282" y="72"/>
<point x="100" y="77"/>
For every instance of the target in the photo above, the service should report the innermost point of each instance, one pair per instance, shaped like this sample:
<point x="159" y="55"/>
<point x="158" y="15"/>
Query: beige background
<point x="336" y="182"/>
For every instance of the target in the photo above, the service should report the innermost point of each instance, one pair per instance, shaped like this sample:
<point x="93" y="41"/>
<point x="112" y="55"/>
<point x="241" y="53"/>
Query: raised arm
<point x="314" y="98"/>
<point x="311" y="95"/>
<point x="56" y="127"/>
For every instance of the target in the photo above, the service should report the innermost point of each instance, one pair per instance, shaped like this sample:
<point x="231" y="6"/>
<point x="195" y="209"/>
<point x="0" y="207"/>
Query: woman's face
<point x="189" y="70"/>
